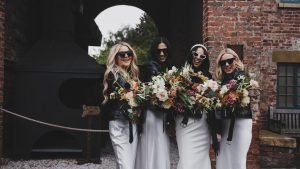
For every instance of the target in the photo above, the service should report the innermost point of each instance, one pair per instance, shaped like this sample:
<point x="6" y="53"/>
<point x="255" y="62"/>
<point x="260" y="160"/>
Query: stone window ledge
<point x="273" y="139"/>
<point x="286" y="56"/>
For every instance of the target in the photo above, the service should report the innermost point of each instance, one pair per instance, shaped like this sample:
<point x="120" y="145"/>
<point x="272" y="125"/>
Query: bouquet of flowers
<point x="168" y="90"/>
<point x="135" y="94"/>
<point x="235" y="92"/>
<point x="161" y="94"/>
<point x="207" y="94"/>
<point x="180" y="89"/>
<point x="185" y="98"/>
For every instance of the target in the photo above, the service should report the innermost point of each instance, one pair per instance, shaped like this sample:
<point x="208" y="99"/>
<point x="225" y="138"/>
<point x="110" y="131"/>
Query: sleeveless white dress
<point x="233" y="154"/>
<point x="153" y="150"/>
<point x="193" y="142"/>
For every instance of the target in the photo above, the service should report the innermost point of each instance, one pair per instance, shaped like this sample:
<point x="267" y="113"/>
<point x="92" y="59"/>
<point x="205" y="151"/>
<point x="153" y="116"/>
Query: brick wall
<point x="236" y="22"/>
<point x="2" y="20"/>
<point x="261" y="27"/>
<point x="281" y="31"/>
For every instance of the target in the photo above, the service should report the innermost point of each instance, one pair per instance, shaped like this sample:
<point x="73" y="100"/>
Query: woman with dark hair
<point x="192" y="131"/>
<point x="160" y="55"/>
<point x="199" y="60"/>
<point x="154" y="145"/>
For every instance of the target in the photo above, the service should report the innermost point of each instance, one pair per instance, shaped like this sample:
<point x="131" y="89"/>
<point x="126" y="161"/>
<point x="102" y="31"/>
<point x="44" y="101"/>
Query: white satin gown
<point x="233" y="154"/>
<point x="154" y="144"/>
<point x="193" y="143"/>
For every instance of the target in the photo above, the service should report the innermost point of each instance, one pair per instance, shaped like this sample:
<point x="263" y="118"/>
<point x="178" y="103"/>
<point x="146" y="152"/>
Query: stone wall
<point x="261" y="27"/>
<point x="281" y="31"/>
<point x="236" y="23"/>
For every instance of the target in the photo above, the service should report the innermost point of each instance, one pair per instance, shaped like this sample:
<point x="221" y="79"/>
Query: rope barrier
<point x="53" y="125"/>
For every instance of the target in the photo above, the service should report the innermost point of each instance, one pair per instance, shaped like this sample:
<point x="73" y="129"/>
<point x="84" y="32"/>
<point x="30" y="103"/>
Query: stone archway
<point x="180" y="22"/>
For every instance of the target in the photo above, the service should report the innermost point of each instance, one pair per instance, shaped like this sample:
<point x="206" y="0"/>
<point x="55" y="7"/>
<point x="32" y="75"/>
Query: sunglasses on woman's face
<point x="229" y="61"/>
<point x="123" y="54"/>
<point x="195" y="55"/>
<point x="165" y="51"/>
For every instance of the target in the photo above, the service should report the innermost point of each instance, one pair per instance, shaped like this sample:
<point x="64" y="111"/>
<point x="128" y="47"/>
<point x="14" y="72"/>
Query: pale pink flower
<point x="162" y="95"/>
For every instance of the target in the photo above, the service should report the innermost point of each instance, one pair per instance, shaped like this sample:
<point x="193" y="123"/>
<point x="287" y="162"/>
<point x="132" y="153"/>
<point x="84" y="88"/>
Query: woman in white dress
<point x="121" y="68"/>
<point x="237" y="125"/>
<point x="192" y="132"/>
<point x="154" y="145"/>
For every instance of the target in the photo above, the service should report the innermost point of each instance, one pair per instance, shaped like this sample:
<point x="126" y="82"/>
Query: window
<point x="238" y="49"/>
<point x="288" y="85"/>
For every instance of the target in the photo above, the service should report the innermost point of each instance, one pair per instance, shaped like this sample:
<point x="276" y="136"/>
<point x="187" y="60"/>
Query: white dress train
<point x="154" y="144"/>
<point x="193" y="143"/>
<point x="125" y="152"/>
<point x="233" y="154"/>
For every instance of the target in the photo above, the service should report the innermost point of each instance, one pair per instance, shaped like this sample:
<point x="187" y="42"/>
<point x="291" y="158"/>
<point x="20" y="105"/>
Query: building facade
<point x="265" y="33"/>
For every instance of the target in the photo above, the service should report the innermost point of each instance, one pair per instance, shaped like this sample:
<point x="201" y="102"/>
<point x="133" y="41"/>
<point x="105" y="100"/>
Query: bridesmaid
<point x="192" y="133"/>
<point x="121" y="67"/>
<point x="237" y="129"/>
<point x="154" y="144"/>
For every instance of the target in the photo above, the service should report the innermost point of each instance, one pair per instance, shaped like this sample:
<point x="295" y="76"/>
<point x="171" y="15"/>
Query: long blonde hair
<point x="219" y="73"/>
<point x="117" y="71"/>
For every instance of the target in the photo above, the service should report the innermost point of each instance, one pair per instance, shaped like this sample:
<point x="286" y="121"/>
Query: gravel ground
<point x="107" y="157"/>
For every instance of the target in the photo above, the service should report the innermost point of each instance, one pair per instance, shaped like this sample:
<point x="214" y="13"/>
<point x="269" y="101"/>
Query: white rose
<point x="245" y="92"/>
<point x="173" y="70"/>
<point x="245" y="101"/>
<point x="132" y="103"/>
<point x="223" y="90"/>
<point x="204" y="86"/>
<point x="254" y="84"/>
<point x="213" y="85"/>
<point x="160" y="83"/>
<point x="162" y="95"/>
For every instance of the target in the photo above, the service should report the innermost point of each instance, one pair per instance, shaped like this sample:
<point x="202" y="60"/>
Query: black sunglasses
<point x="123" y="54"/>
<point x="229" y="61"/>
<point x="195" y="54"/>
<point x="165" y="51"/>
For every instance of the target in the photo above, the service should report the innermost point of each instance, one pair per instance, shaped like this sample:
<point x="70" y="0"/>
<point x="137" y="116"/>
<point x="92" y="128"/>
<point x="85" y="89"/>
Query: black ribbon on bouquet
<point x="130" y="132"/>
<point x="211" y="121"/>
<point x="232" y="122"/>
<point x="185" y="120"/>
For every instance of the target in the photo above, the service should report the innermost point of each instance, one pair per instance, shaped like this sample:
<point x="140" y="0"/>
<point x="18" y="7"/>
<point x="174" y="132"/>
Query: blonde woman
<point x="121" y="67"/>
<point x="237" y="125"/>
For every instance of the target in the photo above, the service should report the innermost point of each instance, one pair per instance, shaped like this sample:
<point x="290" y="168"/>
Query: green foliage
<point x="140" y="38"/>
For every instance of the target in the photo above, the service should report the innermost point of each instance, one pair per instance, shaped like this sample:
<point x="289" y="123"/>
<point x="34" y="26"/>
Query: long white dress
<point x="125" y="152"/>
<point x="154" y="144"/>
<point x="193" y="142"/>
<point x="233" y="154"/>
